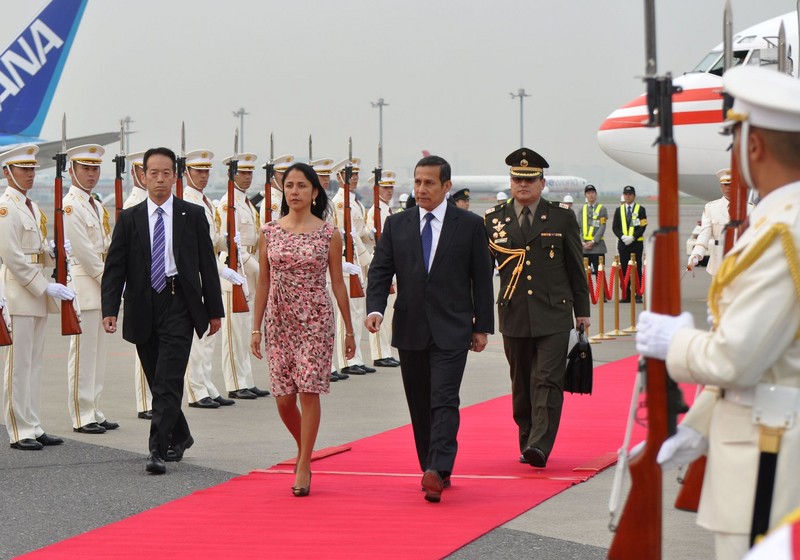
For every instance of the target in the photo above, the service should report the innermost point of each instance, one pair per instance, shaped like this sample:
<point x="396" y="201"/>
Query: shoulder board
<point x="496" y="208"/>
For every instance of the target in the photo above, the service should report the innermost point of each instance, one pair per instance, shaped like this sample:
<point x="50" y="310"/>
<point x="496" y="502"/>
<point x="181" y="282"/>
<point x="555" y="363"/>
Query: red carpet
<point x="366" y="501"/>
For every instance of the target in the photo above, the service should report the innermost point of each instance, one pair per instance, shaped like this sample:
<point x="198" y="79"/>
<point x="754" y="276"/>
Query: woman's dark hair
<point x="320" y="206"/>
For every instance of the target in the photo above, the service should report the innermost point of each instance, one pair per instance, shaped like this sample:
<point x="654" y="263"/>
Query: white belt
<point x="746" y="396"/>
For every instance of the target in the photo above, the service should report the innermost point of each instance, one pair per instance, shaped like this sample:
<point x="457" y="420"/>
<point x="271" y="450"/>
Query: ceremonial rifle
<point x="639" y="532"/>
<point x="239" y="303"/>
<point x="376" y="208"/>
<point x="119" y="161"/>
<point x="270" y="167"/>
<point x="356" y="290"/>
<point x="181" y="163"/>
<point x="70" y="324"/>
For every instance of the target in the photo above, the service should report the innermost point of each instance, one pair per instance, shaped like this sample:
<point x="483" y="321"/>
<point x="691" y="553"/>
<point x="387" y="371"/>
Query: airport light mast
<point x="522" y="95"/>
<point x="125" y="123"/>
<point x="380" y="104"/>
<point x="241" y="113"/>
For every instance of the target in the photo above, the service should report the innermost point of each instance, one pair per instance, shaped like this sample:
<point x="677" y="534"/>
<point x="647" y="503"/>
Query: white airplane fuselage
<point x="697" y="113"/>
<point x="492" y="184"/>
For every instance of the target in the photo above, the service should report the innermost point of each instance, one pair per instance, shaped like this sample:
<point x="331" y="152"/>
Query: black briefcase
<point x="579" y="373"/>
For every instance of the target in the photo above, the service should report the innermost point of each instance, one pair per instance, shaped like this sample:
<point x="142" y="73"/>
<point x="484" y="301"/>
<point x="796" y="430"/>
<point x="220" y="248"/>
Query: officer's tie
<point x="525" y="225"/>
<point x="29" y="204"/>
<point x="158" y="271"/>
<point x="93" y="205"/>
<point x="630" y="214"/>
<point x="427" y="240"/>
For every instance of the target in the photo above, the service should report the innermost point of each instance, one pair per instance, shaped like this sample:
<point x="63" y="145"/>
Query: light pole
<point x="126" y="126"/>
<point x="241" y="113"/>
<point x="522" y="95"/>
<point x="380" y="104"/>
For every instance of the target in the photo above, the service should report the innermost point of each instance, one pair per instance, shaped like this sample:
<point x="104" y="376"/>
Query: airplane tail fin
<point x="31" y="65"/>
<point x="425" y="153"/>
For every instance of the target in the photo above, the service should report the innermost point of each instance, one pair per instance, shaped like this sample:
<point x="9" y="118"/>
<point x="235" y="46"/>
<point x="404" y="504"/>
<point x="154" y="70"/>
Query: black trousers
<point x="594" y="261"/>
<point x="432" y="381"/>
<point x="625" y="252"/>
<point x="164" y="359"/>
<point x="537" y="387"/>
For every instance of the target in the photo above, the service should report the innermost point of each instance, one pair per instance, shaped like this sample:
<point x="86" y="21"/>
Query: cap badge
<point x="30" y="151"/>
<point x="204" y="155"/>
<point x="523" y="163"/>
<point x="92" y="150"/>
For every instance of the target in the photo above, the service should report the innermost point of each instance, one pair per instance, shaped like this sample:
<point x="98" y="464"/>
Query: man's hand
<point x="694" y="260"/>
<point x="214" y="325"/>
<point x="479" y="341"/>
<point x="588" y="245"/>
<point x="373" y="322"/>
<point x="585" y="321"/>
<point x="110" y="324"/>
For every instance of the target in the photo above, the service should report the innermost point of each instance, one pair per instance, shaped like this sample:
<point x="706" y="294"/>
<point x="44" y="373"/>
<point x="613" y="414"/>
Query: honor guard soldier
<point x="25" y="253"/>
<point x="281" y="163"/>
<point x="461" y="198"/>
<point x="144" y="399"/>
<point x="747" y="415"/>
<point x="716" y="215"/>
<point x="380" y="342"/>
<point x="86" y="225"/>
<point x="236" y="367"/>
<point x="593" y="220"/>
<point x="630" y="221"/>
<point x="543" y="294"/>
<point x="200" y="390"/>
<point x="361" y="259"/>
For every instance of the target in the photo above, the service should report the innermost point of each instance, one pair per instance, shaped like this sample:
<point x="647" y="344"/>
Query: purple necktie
<point x="158" y="271"/>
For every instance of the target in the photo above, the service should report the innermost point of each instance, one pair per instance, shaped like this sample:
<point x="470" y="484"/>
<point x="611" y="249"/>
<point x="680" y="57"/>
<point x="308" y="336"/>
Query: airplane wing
<point x="49" y="149"/>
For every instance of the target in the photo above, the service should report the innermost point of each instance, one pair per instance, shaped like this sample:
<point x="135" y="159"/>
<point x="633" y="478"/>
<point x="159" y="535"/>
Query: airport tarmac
<point x="94" y="480"/>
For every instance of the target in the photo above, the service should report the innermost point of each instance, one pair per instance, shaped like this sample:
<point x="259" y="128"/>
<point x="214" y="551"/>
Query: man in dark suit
<point x="543" y="290"/>
<point x="630" y="221"/>
<point x="444" y="308"/>
<point x="162" y="255"/>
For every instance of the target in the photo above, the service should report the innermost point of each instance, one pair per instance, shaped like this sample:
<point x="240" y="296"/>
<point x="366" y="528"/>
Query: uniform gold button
<point x="529" y="276"/>
<point x="528" y="263"/>
<point x="530" y="292"/>
<point x="563" y="301"/>
<point x="527" y="247"/>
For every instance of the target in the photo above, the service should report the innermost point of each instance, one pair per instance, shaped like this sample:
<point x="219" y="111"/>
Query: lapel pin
<point x="544" y="217"/>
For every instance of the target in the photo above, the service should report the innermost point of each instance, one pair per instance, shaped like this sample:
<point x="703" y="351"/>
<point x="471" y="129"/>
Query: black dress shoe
<point x="354" y="370"/>
<point x="241" y="394"/>
<point x="535" y="457"/>
<point x="91" y="428"/>
<point x="223" y="401"/>
<point x="175" y="453"/>
<point x="342" y="375"/>
<point x="258" y="392"/>
<point x="367" y="368"/>
<point x="638" y="299"/>
<point x="386" y="362"/>
<point x="27" y="444"/>
<point x="394" y="361"/>
<point x="44" y="439"/>
<point x="433" y="485"/>
<point x="145" y="415"/>
<point x="155" y="464"/>
<point x="334" y="376"/>
<point x="109" y="425"/>
<point x="523" y="460"/>
<point x="205" y="402"/>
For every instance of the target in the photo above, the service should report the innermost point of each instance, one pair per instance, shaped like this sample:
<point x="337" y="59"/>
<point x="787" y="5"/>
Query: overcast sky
<point x="445" y="68"/>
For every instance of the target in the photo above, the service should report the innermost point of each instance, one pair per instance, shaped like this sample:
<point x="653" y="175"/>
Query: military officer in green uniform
<point x="543" y="294"/>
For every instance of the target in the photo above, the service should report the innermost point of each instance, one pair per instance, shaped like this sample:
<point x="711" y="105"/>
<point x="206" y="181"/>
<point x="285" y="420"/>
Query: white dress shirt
<point x="436" y="226"/>
<point x="169" y="260"/>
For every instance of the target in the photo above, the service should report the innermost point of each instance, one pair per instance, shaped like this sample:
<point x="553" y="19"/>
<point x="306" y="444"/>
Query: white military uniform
<point x="275" y="204"/>
<point x="711" y="239"/>
<point x="86" y="225"/>
<point x="25" y="253"/>
<point x="380" y="342"/>
<point x="144" y="399"/>
<point x="198" y="371"/>
<point x="756" y="304"/>
<point x="236" y="327"/>
<point x="361" y="257"/>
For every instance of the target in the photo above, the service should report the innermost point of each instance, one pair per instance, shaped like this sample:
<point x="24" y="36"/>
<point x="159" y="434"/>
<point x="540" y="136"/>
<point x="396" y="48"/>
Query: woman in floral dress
<point x="293" y="304"/>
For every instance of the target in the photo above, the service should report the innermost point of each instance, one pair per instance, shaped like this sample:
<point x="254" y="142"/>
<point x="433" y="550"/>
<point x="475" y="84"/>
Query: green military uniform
<point x="535" y="320"/>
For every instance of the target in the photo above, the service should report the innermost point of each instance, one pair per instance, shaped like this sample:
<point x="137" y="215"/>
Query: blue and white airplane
<point x="30" y="67"/>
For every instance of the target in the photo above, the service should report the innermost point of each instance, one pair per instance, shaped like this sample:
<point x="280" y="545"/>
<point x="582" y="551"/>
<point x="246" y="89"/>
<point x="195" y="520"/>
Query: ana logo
<point x="28" y="55"/>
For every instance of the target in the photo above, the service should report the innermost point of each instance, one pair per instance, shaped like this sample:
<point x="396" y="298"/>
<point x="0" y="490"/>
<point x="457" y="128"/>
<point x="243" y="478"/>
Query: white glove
<point x="709" y="317"/>
<point x="6" y="316"/>
<point x="60" y="291"/>
<point x="67" y="248"/>
<point x="681" y="449"/>
<point x="351" y="268"/>
<point x="693" y="261"/>
<point x="627" y="239"/>
<point x="372" y="233"/>
<point x="237" y="238"/>
<point x="636" y="449"/>
<point x="654" y="332"/>
<point x="232" y="276"/>
<point x="353" y="233"/>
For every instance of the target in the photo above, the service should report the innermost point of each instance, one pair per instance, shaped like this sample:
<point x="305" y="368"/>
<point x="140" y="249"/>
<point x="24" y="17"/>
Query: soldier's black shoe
<point x="386" y="362"/>
<point x="108" y="425"/>
<point x="145" y="415"/>
<point x="91" y="428"/>
<point x="258" y="392"/>
<point x="241" y="394"/>
<point x="44" y="439"/>
<point x="223" y="401"/>
<point x="334" y="376"/>
<point x="354" y="370"/>
<point x="367" y="368"/>
<point x="27" y="444"/>
<point x="155" y="464"/>
<point x="638" y="299"/>
<point x="342" y="375"/>
<point x="205" y="402"/>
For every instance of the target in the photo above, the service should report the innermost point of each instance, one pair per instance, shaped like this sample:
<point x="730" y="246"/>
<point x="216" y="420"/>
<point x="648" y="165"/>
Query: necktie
<point x="158" y="274"/>
<point x="427" y="240"/>
<point x="94" y="206"/>
<point x="526" y="222"/>
<point x="30" y="206"/>
<point x="630" y="215"/>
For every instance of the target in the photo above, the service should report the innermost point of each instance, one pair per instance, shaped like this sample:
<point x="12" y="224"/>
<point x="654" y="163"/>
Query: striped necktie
<point x="427" y="240"/>
<point x="158" y="274"/>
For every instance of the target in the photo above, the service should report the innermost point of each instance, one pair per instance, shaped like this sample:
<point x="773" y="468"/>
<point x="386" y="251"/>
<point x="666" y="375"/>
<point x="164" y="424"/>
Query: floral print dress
<point x="299" y="319"/>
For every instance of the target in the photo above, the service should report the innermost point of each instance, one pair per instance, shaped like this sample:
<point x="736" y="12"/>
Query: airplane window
<point x="713" y="62"/>
<point x="708" y="62"/>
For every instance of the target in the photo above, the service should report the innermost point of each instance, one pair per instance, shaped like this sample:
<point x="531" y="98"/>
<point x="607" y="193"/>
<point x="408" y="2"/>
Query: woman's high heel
<point x="300" y="491"/>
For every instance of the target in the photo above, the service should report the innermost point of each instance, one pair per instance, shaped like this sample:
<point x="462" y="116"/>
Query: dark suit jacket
<point x="128" y="265"/>
<point x="552" y="289"/>
<point x="446" y="305"/>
